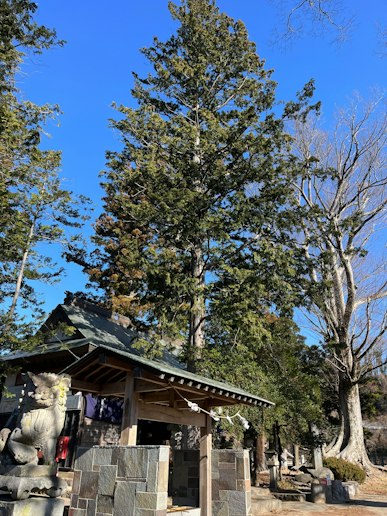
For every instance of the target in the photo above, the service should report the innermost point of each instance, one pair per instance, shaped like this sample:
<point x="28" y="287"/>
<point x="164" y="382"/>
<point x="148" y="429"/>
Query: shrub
<point x="344" y="470"/>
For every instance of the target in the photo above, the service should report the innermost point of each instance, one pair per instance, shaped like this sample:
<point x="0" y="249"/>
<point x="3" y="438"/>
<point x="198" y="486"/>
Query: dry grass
<point x="285" y="485"/>
<point x="375" y="484"/>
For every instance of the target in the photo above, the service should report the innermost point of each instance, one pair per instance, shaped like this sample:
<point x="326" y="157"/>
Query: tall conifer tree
<point x="34" y="208"/>
<point x="193" y="197"/>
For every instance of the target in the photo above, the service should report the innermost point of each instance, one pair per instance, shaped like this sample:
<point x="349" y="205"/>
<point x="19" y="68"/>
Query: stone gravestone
<point x="35" y="427"/>
<point x="317" y="452"/>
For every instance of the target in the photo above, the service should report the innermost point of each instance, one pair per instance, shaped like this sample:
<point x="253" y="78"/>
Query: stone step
<point x="265" y="505"/>
<point x="69" y="477"/>
<point x="258" y="492"/>
<point x="291" y="497"/>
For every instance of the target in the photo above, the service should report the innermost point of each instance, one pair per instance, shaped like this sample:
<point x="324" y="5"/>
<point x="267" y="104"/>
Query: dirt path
<point x="371" y="500"/>
<point x="368" y="505"/>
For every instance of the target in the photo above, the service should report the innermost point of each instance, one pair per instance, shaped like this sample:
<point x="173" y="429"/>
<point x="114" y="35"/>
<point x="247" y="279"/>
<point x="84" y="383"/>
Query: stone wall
<point x="99" y="433"/>
<point x="133" y="480"/>
<point x="120" y="480"/>
<point x="231" y="488"/>
<point x="184" y="481"/>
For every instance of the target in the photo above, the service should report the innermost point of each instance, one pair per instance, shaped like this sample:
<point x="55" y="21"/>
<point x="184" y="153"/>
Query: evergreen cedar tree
<point x="191" y="242"/>
<point x="33" y="205"/>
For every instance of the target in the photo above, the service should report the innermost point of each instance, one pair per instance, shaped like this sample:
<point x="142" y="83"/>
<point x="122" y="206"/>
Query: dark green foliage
<point x="373" y="396"/>
<point x="271" y="363"/>
<point x="344" y="470"/>
<point x="195" y="223"/>
<point x="19" y="33"/>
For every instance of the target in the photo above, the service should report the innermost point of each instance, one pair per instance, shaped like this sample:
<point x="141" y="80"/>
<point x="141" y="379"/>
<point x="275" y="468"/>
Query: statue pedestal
<point x="21" y="481"/>
<point x="32" y="507"/>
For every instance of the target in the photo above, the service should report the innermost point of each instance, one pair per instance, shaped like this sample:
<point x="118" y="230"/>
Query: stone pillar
<point x="318" y="492"/>
<point x="231" y="488"/>
<point x="317" y="459"/>
<point x="296" y="453"/>
<point x="317" y="452"/>
<point x="273" y="471"/>
<point x="274" y="468"/>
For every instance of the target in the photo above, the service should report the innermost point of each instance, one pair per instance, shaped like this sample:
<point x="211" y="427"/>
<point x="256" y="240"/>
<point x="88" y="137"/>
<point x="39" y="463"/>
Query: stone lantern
<point x="273" y="465"/>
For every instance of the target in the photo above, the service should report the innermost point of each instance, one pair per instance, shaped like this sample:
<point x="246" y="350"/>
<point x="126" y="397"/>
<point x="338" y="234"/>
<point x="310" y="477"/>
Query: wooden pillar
<point x="130" y="414"/>
<point x="205" y="486"/>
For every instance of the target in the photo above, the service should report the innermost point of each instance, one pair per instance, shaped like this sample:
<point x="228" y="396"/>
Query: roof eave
<point x="175" y="376"/>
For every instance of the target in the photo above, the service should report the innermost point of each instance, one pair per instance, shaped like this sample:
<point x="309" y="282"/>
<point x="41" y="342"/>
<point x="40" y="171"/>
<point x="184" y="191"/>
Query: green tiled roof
<point x="92" y="328"/>
<point x="103" y="333"/>
<point x="45" y="348"/>
<point x="168" y="372"/>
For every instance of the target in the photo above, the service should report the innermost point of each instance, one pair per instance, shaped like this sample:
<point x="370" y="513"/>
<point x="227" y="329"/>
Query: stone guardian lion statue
<point x="39" y="422"/>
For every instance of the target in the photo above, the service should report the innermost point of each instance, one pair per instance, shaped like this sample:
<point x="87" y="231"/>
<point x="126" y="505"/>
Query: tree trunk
<point x="260" y="458"/>
<point x="197" y="311"/>
<point x="334" y="447"/>
<point x="349" y="444"/>
<point x="20" y="277"/>
<point x="353" y="447"/>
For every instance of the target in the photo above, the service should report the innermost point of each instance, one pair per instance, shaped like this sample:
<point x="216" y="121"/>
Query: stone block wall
<point x="184" y="481"/>
<point x="120" y="480"/>
<point x="231" y="487"/>
<point x="99" y="433"/>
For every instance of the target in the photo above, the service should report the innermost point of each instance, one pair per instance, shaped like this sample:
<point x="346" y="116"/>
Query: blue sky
<point x="103" y="39"/>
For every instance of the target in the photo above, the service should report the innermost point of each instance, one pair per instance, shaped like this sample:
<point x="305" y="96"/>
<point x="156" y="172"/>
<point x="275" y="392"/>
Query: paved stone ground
<point x="364" y="505"/>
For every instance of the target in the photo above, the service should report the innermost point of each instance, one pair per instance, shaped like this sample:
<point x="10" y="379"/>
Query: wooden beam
<point x="172" y="401"/>
<point x="218" y="397"/>
<point x="113" y="389"/>
<point x="216" y="402"/>
<point x="108" y="375"/>
<point x="192" y="394"/>
<point x="86" y="367"/>
<point x="199" y="391"/>
<point x="81" y="385"/>
<point x="178" y="404"/>
<point x="94" y="372"/>
<point x="130" y="414"/>
<point x="114" y="363"/>
<point x="118" y="376"/>
<point x="166" y="414"/>
<point x="205" y="482"/>
<point x="164" y="396"/>
<point x="149" y="386"/>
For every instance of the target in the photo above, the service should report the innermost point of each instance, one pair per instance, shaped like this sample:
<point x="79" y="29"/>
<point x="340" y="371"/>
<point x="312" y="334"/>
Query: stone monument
<point x="28" y="443"/>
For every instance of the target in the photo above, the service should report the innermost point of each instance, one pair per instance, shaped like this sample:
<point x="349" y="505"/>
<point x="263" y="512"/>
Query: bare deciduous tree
<point x="341" y="199"/>
<point x="319" y="16"/>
